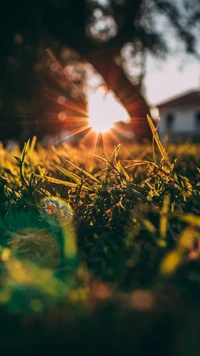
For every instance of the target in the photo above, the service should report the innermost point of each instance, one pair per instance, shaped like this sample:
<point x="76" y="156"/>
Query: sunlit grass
<point x="81" y="229"/>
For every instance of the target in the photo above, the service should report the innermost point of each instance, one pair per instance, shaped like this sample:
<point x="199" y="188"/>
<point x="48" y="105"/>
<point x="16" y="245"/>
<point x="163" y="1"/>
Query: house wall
<point x="184" y="122"/>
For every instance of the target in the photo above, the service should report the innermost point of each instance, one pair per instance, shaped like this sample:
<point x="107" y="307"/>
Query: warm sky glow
<point x="104" y="110"/>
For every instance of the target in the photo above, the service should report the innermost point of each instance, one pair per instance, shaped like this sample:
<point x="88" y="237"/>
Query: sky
<point x="172" y="77"/>
<point x="177" y="74"/>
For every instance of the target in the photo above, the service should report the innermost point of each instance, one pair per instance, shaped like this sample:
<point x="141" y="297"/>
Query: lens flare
<point x="56" y="211"/>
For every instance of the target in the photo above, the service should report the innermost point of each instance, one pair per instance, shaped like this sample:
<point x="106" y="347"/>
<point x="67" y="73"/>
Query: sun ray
<point x="53" y="58"/>
<point x="94" y="115"/>
<point x="114" y="137"/>
<point x="73" y="134"/>
<point x="91" y="139"/>
<point x="87" y="136"/>
<point x="49" y="94"/>
<point x="94" y="145"/>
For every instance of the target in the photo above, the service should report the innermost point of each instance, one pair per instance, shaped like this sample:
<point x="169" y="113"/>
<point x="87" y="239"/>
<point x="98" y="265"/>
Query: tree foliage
<point x="91" y="24"/>
<point x="99" y="30"/>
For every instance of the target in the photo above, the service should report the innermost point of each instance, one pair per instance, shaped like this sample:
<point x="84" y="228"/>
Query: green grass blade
<point x="156" y="137"/>
<point x="62" y="182"/>
<point x="115" y="153"/>
<point x="122" y="170"/>
<point x="164" y="217"/>
<point x="98" y="157"/>
<point x="69" y="174"/>
<point x="190" y="219"/>
<point x="87" y="174"/>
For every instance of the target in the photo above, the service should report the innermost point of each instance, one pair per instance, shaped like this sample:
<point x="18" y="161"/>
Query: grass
<point x="103" y="245"/>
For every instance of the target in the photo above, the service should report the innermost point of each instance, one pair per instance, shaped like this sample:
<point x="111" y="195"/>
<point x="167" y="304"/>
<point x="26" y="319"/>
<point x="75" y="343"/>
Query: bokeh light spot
<point x="18" y="39"/>
<point x="62" y="116"/>
<point x="54" y="67"/>
<point x="142" y="300"/>
<point x="61" y="100"/>
<point x="5" y="254"/>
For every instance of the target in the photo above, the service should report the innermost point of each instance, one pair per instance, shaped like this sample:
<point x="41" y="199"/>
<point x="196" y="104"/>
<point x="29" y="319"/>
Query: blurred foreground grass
<point x="100" y="251"/>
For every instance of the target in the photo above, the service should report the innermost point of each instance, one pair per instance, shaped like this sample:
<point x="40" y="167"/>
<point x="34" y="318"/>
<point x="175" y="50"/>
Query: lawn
<point x="100" y="250"/>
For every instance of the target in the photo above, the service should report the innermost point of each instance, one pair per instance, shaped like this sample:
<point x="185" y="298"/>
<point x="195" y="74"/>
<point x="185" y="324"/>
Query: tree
<point x="100" y="29"/>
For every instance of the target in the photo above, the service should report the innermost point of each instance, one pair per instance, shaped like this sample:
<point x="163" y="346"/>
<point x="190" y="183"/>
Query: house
<point x="180" y="117"/>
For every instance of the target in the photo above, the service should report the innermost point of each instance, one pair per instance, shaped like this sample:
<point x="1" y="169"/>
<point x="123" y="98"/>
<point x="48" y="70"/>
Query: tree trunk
<point x="104" y="61"/>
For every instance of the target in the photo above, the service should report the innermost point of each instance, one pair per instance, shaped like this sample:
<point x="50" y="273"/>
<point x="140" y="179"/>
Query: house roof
<point x="188" y="99"/>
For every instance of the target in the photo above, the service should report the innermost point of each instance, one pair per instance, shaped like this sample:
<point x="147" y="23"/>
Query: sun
<point x="104" y="110"/>
<point x="92" y="119"/>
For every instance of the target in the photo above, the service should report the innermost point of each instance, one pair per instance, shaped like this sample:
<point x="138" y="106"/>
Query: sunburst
<point x="93" y="118"/>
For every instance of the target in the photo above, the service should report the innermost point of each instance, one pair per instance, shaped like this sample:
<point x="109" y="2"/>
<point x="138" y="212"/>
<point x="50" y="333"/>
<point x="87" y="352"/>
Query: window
<point x="169" y="121"/>
<point x="197" y="120"/>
